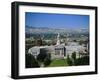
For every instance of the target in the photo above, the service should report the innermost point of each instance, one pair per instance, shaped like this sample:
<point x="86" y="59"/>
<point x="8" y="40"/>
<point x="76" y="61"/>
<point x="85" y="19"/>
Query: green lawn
<point x="58" y="62"/>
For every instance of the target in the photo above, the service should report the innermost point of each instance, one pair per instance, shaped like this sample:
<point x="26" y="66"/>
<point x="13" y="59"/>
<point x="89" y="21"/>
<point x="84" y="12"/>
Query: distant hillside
<point x="41" y="30"/>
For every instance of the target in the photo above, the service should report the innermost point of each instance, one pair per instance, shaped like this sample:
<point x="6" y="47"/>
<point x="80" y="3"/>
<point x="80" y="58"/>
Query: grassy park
<point x="58" y="62"/>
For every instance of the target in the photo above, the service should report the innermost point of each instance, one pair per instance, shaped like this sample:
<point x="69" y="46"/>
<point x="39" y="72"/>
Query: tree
<point x="69" y="61"/>
<point x="40" y="59"/>
<point x="30" y="61"/>
<point x="82" y="61"/>
<point x="44" y="58"/>
<point x="47" y="60"/>
<point x="73" y="57"/>
<point x="38" y="42"/>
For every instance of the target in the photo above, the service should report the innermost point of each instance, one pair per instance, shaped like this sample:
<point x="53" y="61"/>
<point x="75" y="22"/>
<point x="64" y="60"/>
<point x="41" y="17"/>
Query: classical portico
<point x="59" y="48"/>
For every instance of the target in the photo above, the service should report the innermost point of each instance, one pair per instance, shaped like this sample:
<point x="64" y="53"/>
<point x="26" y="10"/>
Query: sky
<point x="56" y="20"/>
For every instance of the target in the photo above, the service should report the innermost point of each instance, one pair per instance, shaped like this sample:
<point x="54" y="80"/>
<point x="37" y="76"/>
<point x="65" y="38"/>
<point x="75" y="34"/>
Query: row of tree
<point x="44" y="60"/>
<point x="77" y="61"/>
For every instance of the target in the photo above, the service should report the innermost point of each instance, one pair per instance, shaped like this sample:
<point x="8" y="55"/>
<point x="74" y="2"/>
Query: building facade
<point x="58" y="51"/>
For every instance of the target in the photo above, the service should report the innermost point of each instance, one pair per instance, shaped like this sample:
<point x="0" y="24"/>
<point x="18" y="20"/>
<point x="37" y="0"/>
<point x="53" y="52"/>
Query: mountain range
<point x="39" y="30"/>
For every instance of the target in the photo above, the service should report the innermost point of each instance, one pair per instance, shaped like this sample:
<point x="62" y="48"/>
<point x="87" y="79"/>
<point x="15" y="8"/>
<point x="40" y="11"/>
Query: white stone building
<point x="58" y="51"/>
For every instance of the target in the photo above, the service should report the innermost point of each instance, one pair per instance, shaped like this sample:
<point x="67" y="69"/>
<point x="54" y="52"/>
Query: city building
<point x="58" y="51"/>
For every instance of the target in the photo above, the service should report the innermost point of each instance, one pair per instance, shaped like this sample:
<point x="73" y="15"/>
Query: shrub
<point x="30" y="61"/>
